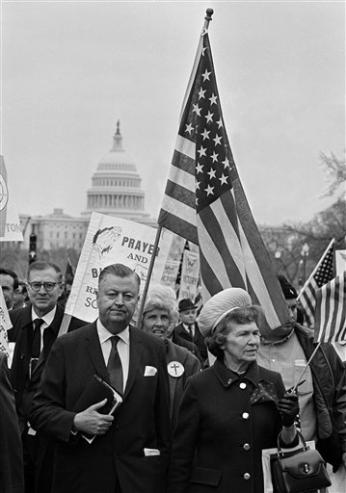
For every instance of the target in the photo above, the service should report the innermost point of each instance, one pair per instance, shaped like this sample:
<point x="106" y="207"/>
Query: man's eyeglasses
<point x="48" y="286"/>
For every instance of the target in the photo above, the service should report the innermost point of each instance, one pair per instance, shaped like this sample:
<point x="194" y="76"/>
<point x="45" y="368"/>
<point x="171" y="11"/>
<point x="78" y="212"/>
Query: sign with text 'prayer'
<point x="112" y="240"/>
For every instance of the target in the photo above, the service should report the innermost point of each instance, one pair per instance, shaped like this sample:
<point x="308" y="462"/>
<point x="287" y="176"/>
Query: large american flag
<point x="323" y="273"/>
<point x="205" y="203"/>
<point x="330" y="315"/>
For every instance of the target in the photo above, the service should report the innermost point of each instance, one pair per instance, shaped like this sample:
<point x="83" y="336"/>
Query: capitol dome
<point x="116" y="185"/>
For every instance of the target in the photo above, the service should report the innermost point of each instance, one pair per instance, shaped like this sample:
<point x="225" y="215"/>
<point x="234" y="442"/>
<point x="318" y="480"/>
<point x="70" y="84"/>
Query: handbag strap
<point x="280" y="453"/>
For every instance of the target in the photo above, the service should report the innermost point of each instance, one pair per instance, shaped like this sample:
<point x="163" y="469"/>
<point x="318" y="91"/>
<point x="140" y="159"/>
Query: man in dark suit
<point x="11" y="459"/>
<point x="130" y="449"/>
<point x="187" y="333"/>
<point x="34" y="330"/>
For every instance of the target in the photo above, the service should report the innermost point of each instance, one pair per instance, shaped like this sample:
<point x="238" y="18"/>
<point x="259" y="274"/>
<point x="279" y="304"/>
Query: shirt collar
<point x="104" y="334"/>
<point x="47" y="318"/>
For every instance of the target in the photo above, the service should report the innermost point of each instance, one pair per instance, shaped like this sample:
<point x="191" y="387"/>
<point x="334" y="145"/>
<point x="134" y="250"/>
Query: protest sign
<point x="189" y="275"/>
<point x="5" y="324"/>
<point x="340" y="261"/>
<point x="170" y="273"/>
<point x="10" y="229"/>
<point x="111" y="240"/>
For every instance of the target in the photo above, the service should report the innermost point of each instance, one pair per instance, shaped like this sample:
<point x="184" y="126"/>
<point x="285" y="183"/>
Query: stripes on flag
<point x="205" y="203"/>
<point x="331" y="311"/>
<point x="323" y="273"/>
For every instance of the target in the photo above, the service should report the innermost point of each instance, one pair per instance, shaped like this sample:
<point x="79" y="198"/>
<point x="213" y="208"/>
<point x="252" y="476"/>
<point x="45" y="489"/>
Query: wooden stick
<point x="305" y="367"/>
<point x="150" y="270"/>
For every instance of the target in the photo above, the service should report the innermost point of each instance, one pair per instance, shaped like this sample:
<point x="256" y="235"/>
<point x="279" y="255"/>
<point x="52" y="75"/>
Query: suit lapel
<point x="95" y="351"/>
<point x="134" y="361"/>
<point x="49" y="338"/>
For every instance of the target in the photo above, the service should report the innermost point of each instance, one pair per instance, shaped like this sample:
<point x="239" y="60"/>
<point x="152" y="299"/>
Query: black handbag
<point x="298" y="471"/>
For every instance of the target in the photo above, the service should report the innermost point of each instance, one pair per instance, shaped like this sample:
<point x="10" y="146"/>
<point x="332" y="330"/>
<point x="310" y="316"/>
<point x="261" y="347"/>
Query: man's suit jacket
<point x="184" y="339"/>
<point x="141" y="421"/>
<point x="24" y="386"/>
<point x="11" y="459"/>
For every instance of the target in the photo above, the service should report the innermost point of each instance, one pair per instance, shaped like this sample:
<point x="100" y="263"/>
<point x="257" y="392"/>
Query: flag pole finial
<point x="209" y="13"/>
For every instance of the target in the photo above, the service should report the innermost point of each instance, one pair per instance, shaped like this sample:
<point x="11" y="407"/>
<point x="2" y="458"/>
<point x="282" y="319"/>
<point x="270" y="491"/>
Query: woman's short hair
<point x="241" y="316"/>
<point x="163" y="298"/>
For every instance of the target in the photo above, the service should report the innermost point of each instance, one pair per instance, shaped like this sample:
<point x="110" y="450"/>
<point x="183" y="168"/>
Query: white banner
<point x="189" y="275"/>
<point x="170" y="273"/>
<point x="5" y="324"/>
<point x="340" y="261"/>
<point x="10" y="229"/>
<point x="111" y="240"/>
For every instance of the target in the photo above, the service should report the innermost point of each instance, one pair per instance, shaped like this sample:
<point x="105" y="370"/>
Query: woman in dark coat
<point x="231" y="411"/>
<point x="159" y="318"/>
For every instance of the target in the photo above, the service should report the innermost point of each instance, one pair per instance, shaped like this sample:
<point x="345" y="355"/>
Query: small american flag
<point x="323" y="272"/>
<point x="330" y="316"/>
<point x="205" y="203"/>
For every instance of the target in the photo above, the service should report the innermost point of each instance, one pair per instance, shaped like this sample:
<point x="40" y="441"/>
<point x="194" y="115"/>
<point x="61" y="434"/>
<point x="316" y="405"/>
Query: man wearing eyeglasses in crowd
<point x="35" y="328"/>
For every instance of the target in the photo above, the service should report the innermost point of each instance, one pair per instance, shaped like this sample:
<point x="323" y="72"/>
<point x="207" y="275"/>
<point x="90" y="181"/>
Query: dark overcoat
<point x="194" y="344"/>
<point x="141" y="422"/>
<point x="225" y="421"/>
<point x="11" y="454"/>
<point x="178" y="380"/>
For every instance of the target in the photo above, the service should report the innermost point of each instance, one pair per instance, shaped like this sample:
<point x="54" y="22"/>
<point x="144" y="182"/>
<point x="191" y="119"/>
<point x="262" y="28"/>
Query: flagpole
<point x="209" y="12"/>
<point x="305" y="367"/>
<point x="150" y="270"/>
<point x="207" y="18"/>
<point x="316" y="267"/>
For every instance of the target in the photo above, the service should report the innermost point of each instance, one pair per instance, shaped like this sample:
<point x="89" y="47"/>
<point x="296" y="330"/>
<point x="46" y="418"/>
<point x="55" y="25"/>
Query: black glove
<point x="288" y="408"/>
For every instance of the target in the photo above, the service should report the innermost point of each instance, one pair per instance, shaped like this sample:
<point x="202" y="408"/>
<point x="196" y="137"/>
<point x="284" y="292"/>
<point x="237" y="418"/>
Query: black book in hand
<point x="95" y="391"/>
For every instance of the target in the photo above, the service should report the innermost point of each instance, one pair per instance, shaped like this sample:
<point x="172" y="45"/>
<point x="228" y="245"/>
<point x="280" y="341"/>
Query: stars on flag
<point x="199" y="168"/>
<point x="189" y="128"/>
<point x="201" y="93"/>
<point x="223" y="179"/>
<point x="209" y="190"/>
<point x="202" y="151"/>
<point x="211" y="173"/>
<point x="204" y="126"/>
<point x="217" y="140"/>
<point x="206" y="75"/>
<point x="205" y="134"/>
<point x="209" y="117"/>
<point x="196" y="109"/>
<point x="212" y="99"/>
<point x="214" y="157"/>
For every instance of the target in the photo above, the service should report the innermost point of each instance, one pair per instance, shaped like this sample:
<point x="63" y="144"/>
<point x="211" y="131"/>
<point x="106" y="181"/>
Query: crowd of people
<point x="201" y="395"/>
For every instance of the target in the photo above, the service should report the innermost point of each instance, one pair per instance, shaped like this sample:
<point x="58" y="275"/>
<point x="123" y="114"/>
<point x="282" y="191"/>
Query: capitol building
<point x="115" y="190"/>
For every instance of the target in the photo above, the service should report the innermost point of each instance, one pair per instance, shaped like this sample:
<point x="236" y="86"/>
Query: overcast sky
<point x="71" y="70"/>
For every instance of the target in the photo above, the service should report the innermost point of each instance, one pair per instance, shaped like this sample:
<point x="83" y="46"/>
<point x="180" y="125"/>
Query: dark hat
<point x="288" y="290"/>
<point x="186" y="304"/>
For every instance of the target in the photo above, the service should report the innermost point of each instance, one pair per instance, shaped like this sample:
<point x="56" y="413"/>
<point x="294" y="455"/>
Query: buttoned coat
<point x="224" y="422"/>
<point x="141" y="422"/>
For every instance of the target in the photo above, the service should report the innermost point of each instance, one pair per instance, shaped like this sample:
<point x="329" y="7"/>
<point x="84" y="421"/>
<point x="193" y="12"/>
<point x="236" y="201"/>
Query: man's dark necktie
<point x="36" y="341"/>
<point x="190" y="327"/>
<point x="114" y="367"/>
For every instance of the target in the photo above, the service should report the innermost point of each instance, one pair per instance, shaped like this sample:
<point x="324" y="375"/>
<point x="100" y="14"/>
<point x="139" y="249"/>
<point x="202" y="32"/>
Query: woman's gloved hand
<point x="288" y="408"/>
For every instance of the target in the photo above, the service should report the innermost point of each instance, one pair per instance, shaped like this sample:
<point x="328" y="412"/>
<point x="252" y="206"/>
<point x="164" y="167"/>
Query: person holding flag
<point x="319" y="376"/>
